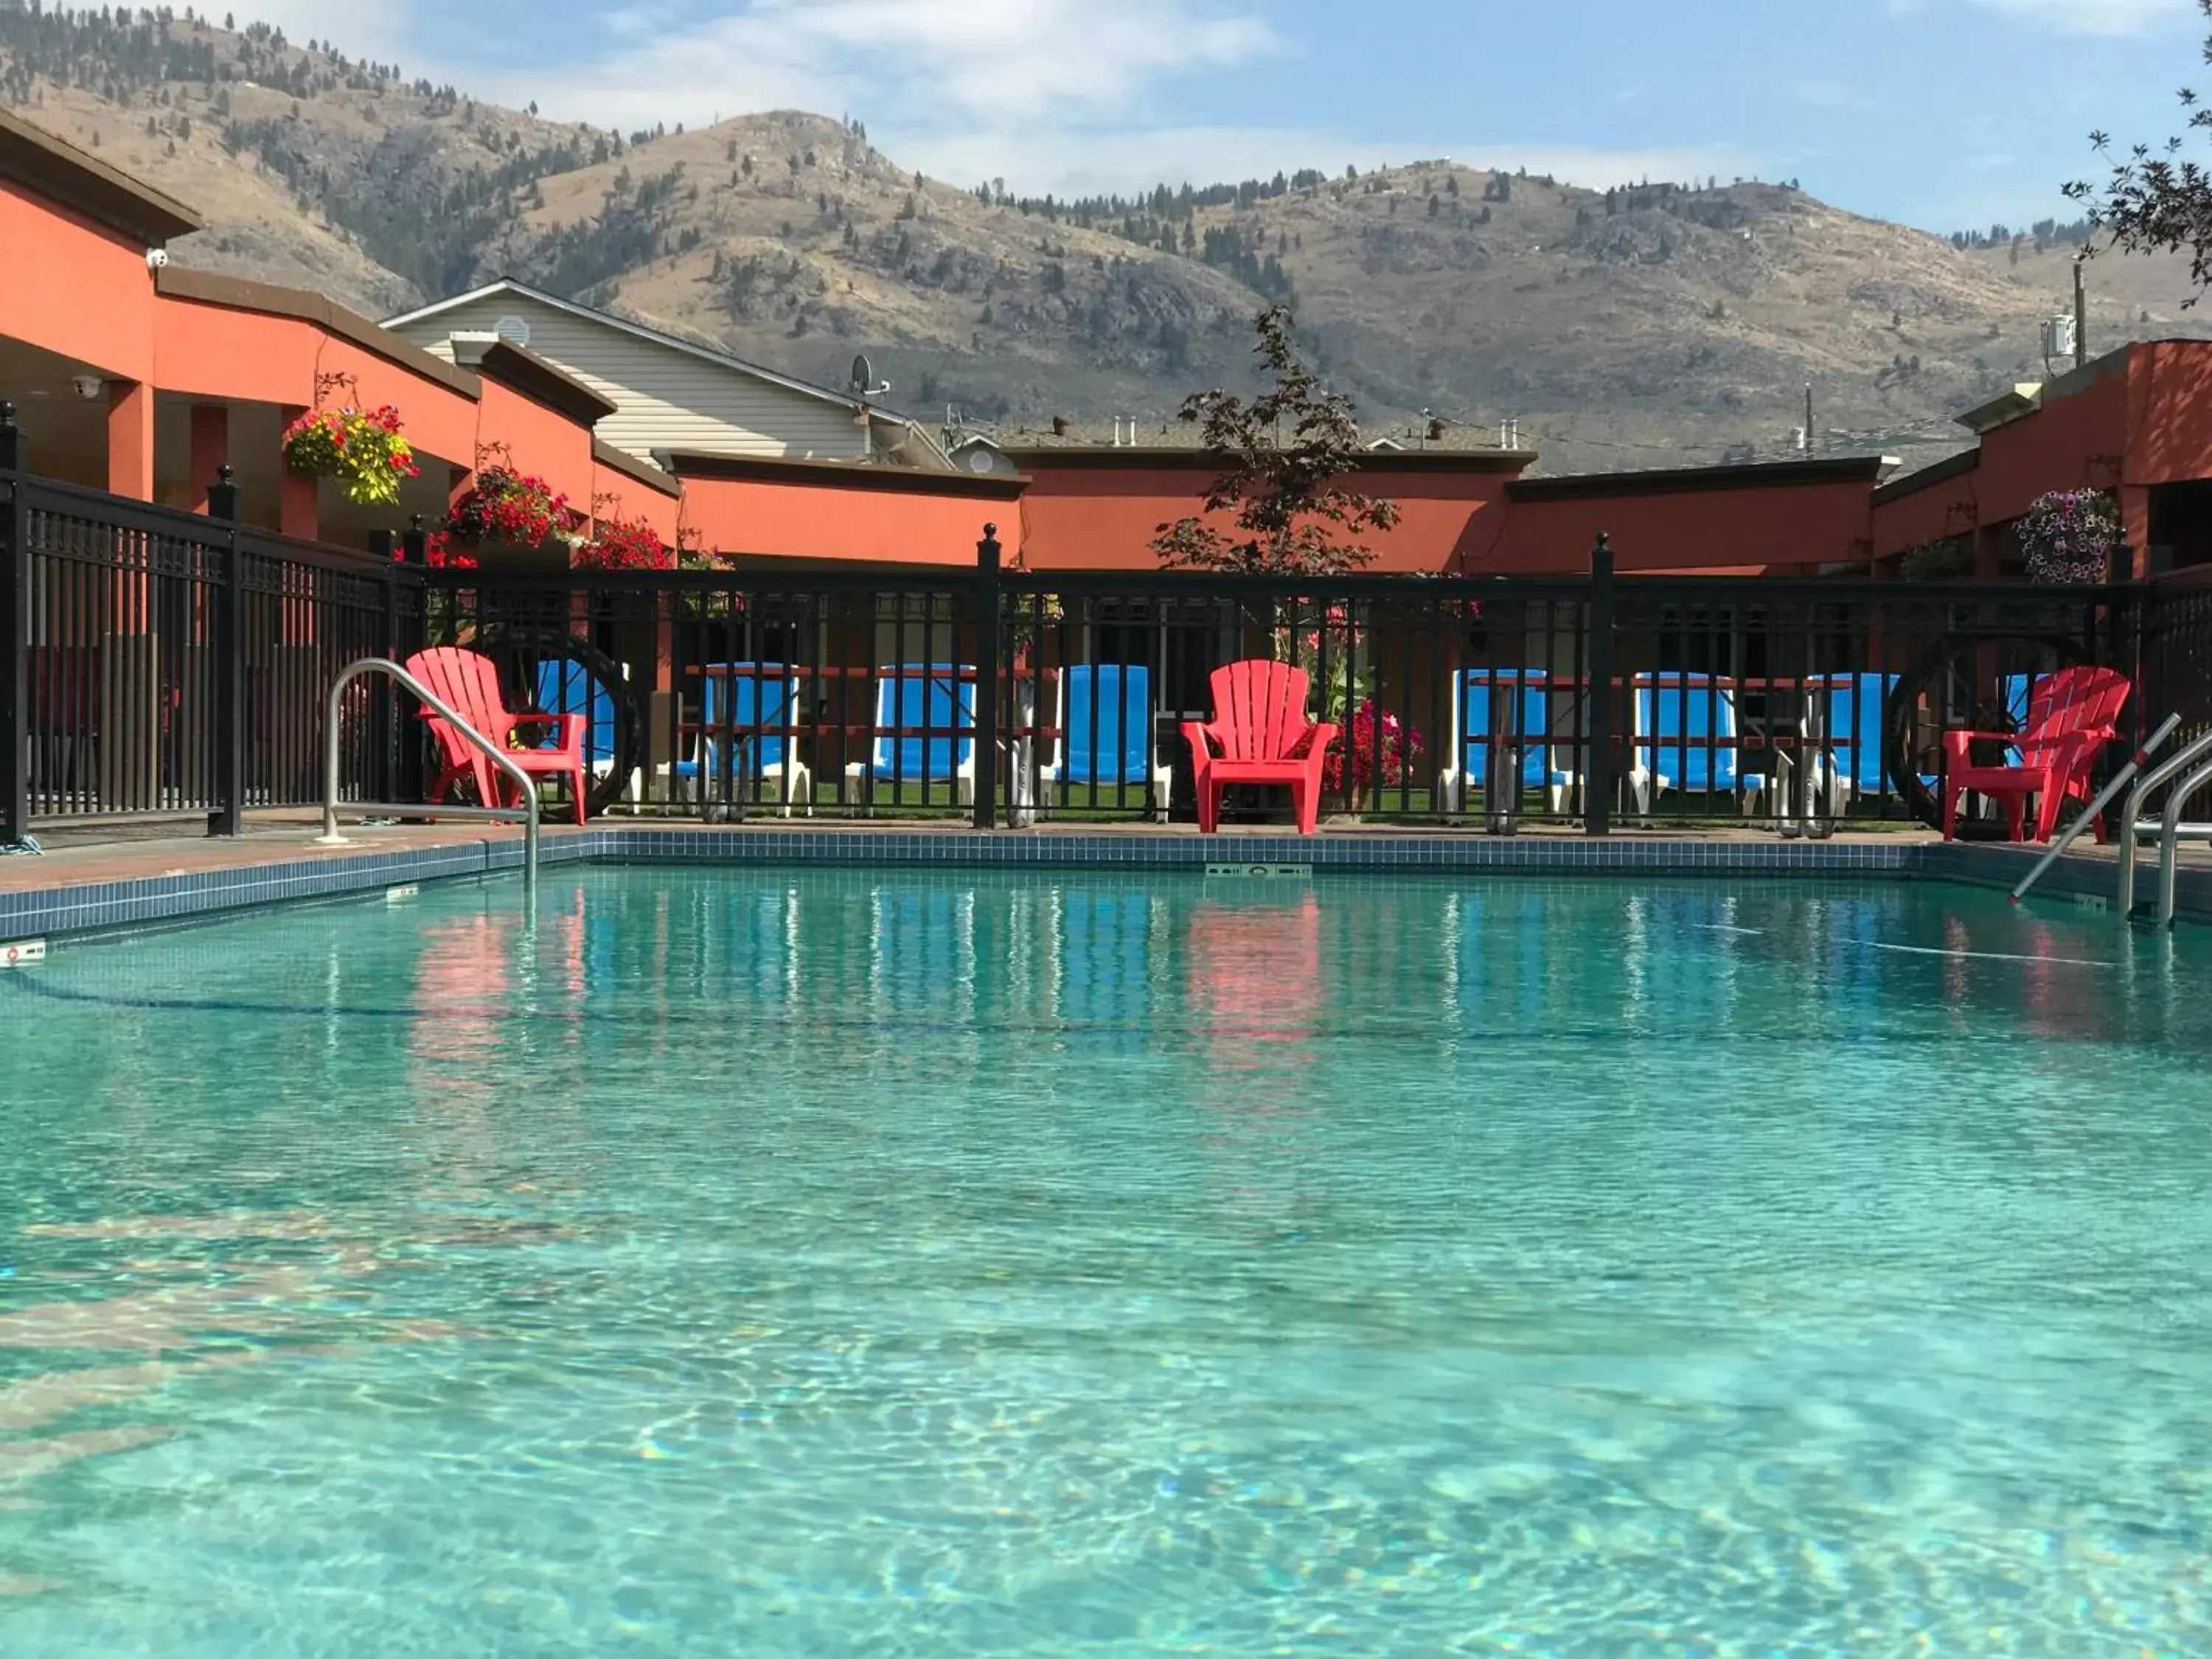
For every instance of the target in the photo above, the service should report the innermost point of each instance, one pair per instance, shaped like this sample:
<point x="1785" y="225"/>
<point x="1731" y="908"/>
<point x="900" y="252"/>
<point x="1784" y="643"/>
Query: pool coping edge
<point x="92" y="906"/>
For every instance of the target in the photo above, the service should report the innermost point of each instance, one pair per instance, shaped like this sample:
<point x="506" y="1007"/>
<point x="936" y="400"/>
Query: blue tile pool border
<point x="152" y="900"/>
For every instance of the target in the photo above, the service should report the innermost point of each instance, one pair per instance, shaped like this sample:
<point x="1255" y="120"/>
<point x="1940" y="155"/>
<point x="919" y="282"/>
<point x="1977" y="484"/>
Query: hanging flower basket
<point x="362" y="449"/>
<point x="509" y="519"/>
<point x="2070" y="536"/>
<point x="713" y="601"/>
<point x="623" y="544"/>
<point x="1029" y="617"/>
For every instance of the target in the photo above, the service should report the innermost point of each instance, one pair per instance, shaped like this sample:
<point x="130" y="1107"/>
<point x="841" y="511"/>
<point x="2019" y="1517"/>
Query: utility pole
<point x="2080" y="315"/>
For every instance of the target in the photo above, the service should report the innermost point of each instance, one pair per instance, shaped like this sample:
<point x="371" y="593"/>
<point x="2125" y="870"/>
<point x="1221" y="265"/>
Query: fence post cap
<point x="222" y="474"/>
<point x="6" y="413"/>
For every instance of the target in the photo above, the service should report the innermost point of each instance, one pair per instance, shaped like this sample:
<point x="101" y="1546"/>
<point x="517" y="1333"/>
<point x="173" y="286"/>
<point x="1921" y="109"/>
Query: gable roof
<point x="608" y="319"/>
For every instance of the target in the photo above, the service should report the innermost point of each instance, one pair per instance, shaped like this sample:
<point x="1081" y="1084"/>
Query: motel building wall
<point x="2136" y="422"/>
<point x="188" y="372"/>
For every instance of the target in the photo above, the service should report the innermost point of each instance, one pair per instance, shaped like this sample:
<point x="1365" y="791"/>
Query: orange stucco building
<point x="1098" y="507"/>
<point x="831" y="511"/>
<point x="135" y="374"/>
<point x="2136" y="423"/>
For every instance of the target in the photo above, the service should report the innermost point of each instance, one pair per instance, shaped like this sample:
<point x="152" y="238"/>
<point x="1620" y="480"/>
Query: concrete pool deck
<point x="93" y="884"/>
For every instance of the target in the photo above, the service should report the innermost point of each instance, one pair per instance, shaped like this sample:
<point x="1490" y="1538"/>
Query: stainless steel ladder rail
<point x="2135" y="828"/>
<point x="525" y="787"/>
<point x="2171" y="832"/>
<point x="2135" y="763"/>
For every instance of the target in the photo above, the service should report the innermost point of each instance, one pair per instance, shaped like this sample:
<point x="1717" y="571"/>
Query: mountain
<point x="1660" y="326"/>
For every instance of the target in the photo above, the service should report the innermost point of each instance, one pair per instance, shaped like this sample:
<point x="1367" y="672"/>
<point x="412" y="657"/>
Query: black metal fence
<point x="162" y="663"/>
<point x="1014" y="696"/>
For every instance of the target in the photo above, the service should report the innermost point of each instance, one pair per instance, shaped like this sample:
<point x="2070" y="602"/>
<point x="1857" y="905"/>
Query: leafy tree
<point x="2157" y="199"/>
<point x="1290" y="518"/>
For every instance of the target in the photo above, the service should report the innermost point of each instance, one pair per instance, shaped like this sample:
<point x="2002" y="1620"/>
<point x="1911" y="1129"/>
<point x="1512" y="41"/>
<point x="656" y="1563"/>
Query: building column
<point x="132" y="733"/>
<point x="131" y="440"/>
<point x="2135" y="528"/>
<point x="210" y="450"/>
<point x="1985" y="553"/>
<point x="296" y="513"/>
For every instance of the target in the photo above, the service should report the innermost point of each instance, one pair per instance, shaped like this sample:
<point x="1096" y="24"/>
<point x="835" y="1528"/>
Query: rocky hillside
<point x="1663" y="325"/>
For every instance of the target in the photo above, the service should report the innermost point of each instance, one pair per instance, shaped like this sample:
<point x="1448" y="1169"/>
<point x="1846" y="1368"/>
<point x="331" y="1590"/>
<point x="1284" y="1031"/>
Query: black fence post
<point x="229" y="816"/>
<point x="1597" y="800"/>
<point x="15" y="631"/>
<point x="987" y="678"/>
<point x="384" y="548"/>
<point x="408" y="637"/>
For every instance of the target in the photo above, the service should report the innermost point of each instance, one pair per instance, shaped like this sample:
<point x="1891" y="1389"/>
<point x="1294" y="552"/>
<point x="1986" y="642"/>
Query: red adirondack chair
<point x="1261" y="734"/>
<point x="2071" y="715"/>
<point x="469" y="684"/>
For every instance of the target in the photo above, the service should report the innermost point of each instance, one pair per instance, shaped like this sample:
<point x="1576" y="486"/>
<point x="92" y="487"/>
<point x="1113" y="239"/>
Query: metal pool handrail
<point x="2170" y="832"/>
<point x="2089" y="814"/>
<point x="2133" y="826"/>
<point x="528" y="812"/>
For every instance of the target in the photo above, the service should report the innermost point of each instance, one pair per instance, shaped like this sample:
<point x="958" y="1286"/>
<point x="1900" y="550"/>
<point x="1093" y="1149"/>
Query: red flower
<point x="624" y="544"/>
<point x="1380" y="746"/>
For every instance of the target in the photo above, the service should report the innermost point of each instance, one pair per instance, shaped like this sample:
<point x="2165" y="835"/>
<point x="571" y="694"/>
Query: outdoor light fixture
<point x="88" y="387"/>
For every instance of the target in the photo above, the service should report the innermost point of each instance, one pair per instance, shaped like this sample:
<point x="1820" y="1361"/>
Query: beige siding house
<point x="670" y="393"/>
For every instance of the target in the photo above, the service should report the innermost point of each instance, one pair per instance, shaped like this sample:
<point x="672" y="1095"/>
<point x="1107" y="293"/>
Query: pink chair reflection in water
<point x="462" y="996"/>
<point x="1255" y="982"/>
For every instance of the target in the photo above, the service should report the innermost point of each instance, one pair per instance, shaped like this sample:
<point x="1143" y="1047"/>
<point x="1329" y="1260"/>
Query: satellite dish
<point x="864" y="383"/>
<point x="512" y="329"/>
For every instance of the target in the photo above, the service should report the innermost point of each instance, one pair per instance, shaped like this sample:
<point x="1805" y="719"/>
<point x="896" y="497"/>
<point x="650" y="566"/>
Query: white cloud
<point x="2091" y="16"/>
<point x="1063" y="96"/>
<point x="945" y="62"/>
<point x="382" y="33"/>
<point x="1081" y="163"/>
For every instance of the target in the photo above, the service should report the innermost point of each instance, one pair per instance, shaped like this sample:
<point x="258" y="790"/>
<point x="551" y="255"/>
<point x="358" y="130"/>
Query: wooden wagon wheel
<point x="522" y="651"/>
<point x="1941" y="682"/>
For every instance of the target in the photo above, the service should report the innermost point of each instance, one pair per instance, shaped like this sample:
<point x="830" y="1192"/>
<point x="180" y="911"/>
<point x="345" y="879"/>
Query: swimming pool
<point x="964" y="1263"/>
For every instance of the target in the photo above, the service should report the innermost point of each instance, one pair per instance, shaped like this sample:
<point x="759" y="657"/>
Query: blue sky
<point x="1943" y="113"/>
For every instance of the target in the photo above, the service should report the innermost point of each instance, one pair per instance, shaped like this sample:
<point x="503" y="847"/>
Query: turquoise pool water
<point x="944" y="1264"/>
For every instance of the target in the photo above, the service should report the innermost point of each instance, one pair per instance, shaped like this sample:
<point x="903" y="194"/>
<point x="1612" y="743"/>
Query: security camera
<point x="88" y="387"/>
<point x="156" y="258"/>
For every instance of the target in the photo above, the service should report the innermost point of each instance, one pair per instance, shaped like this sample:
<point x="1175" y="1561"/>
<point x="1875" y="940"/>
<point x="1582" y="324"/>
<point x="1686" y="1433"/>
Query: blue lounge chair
<point x="1105" y="722"/>
<point x="762" y="697"/>
<point x="2018" y="689"/>
<point x="1686" y="739"/>
<point x="925" y="722"/>
<point x="1466" y="762"/>
<point x="1853" y="761"/>
<point x="1105" y="946"/>
<point x="566" y="686"/>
